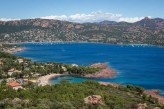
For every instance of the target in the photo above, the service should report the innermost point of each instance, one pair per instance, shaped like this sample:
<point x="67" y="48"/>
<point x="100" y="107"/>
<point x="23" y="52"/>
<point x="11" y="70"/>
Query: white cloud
<point x="62" y="17"/>
<point x="94" y="17"/>
<point x="91" y="17"/>
<point x="131" y="19"/>
<point x="7" y="19"/>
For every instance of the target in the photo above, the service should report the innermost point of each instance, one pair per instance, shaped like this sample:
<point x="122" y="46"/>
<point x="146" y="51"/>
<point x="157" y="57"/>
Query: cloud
<point x="95" y="17"/>
<point x="91" y="17"/>
<point x="7" y="19"/>
<point x="131" y="19"/>
<point x="62" y="17"/>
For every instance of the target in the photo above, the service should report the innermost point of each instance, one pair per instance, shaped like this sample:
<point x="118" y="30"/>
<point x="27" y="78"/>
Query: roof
<point x="14" y="84"/>
<point x="17" y="71"/>
<point x="11" y="70"/>
<point x="20" y="59"/>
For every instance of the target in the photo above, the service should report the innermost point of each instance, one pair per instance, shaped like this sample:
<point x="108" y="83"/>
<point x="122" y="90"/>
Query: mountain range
<point x="145" y="31"/>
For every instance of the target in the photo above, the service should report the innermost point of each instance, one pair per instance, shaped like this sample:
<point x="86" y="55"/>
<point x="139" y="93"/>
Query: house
<point x="15" y="85"/>
<point x="1" y="63"/>
<point x="74" y="65"/>
<point x="64" y="68"/>
<point x="4" y="75"/>
<point x="11" y="71"/>
<point x="27" y="68"/>
<point x="10" y="80"/>
<point x="17" y="71"/>
<point x="20" y="60"/>
<point x="1" y="59"/>
<point x="22" y="81"/>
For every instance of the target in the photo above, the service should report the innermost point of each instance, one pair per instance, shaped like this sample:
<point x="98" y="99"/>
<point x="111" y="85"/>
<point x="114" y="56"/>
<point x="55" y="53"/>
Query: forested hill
<point x="146" y="31"/>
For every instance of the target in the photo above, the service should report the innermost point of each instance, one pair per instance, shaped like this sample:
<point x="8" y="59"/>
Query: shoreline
<point x="135" y="44"/>
<point x="155" y="94"/>
<point x="15" y="50"/>
<point x="105" y="71"/>
<point x="45" y="80"/>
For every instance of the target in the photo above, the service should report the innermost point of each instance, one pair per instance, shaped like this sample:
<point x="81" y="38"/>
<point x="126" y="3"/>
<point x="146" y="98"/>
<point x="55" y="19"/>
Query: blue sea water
<point x="141" y="65"/>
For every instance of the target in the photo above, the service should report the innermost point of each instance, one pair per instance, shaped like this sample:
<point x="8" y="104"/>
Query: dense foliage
<point x="71" y="96"/>
<point x="31" y="69"/>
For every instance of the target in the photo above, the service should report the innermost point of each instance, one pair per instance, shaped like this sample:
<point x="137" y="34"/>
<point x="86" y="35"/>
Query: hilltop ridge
<point x="146" y="31"/>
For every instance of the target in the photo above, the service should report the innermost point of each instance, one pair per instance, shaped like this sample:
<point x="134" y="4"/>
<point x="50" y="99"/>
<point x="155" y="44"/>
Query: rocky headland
<point x="104" y="72"/>
<point x="155" y="94"/>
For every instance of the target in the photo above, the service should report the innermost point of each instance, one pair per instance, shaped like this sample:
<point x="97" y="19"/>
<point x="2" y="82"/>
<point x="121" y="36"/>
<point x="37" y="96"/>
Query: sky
<point x="82" y="10"/>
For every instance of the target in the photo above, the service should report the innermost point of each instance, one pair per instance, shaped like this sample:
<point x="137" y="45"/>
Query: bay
<point x="141" y="65"/>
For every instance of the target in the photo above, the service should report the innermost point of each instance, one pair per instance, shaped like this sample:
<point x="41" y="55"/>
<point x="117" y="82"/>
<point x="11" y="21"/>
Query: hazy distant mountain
<point x="146" y="31"/>
<point x="106" y="22"/>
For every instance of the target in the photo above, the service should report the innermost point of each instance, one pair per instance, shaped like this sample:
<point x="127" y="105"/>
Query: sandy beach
<point x="14" y="50"/>
<point x="44" y="80"/>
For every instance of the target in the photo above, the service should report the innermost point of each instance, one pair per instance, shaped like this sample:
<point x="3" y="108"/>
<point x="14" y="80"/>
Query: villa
<point x="1" y="63"/>
<point x="20" y="60"/>
<point x="13" y="70"/>
<point x="10" y="80"/>
<point x="15" y="85"/>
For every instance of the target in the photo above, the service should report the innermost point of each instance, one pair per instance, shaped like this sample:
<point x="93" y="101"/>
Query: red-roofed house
<point x="15" y="85"/>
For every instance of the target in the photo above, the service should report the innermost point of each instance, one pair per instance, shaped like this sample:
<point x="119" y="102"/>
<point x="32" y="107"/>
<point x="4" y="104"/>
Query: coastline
<point x="45" y="80"/>
<point x="17" y="49"/>
<point x="155" y="94"/>
<point x="135" y="44"/>
<point x="105" y="72"/>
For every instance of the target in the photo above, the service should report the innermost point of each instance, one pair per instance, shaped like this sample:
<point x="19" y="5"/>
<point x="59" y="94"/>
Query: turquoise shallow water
<point x="141" y="65"/>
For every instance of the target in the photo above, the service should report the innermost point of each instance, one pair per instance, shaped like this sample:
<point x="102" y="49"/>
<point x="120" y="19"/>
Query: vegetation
<point x="70" y="96"/>
<point x="82" y="70"/>
<point x="31" y="69"/>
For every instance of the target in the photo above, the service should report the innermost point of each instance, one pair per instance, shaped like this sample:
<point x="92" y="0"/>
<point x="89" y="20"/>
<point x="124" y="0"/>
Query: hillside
<point x="146" y="31"/>
<point x="73" y="96"/>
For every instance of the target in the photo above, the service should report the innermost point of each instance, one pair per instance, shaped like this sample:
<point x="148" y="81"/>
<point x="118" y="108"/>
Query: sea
<point x="137" y="64"/>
